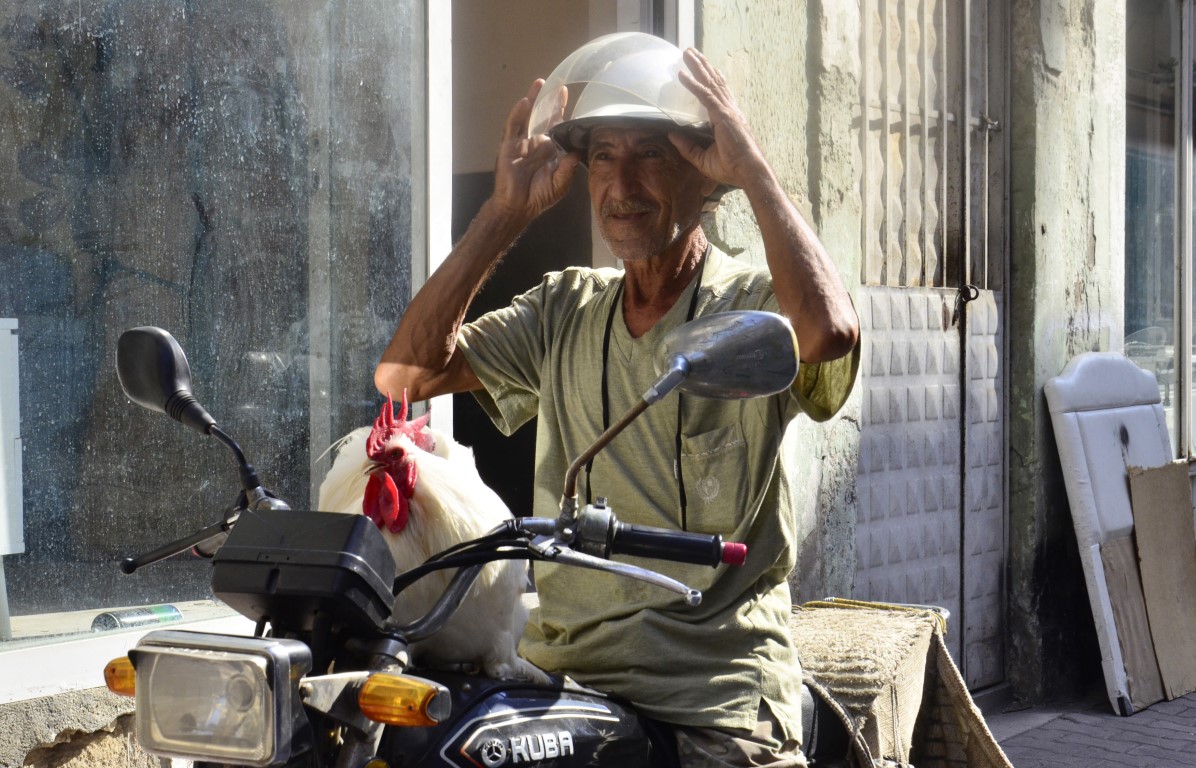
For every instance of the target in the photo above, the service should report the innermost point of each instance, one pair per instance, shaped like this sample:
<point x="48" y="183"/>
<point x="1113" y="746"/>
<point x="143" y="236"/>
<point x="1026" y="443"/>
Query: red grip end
<point x="734" y="553"/>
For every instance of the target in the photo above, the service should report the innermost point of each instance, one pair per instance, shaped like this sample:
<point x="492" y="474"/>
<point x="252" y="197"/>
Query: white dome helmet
<point x="626" y="75"/>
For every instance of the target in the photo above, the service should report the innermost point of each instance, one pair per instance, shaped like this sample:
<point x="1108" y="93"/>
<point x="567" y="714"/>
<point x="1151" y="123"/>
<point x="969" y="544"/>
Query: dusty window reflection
<point x="236" y="172"/>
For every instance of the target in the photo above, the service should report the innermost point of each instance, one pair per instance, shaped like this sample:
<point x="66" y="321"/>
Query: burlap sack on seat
<point x="890" y="669"/>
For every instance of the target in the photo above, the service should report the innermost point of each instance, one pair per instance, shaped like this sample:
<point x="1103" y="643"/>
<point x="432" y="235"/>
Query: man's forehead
<point x="629" y="132"/>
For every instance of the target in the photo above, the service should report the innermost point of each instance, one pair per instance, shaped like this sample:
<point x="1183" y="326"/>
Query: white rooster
<point x="423" y="491"/>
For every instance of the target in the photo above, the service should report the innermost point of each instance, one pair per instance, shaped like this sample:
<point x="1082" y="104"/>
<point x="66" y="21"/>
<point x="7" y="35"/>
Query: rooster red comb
<point x="388" y="427"/>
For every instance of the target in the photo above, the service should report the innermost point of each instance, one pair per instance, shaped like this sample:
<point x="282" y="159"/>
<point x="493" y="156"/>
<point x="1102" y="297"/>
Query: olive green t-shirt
<point x="706" y="666"/>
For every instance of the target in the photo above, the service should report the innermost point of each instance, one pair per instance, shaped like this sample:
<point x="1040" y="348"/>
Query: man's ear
<point x="715" y="197"/>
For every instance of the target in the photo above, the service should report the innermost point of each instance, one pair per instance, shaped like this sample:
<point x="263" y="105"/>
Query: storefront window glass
<point x="1152" y="53"/>
<point x="246" y="174"/>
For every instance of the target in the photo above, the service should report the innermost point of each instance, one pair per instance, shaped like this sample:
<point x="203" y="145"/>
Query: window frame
<point x="1183" y="237"/>
<point x="37" y="671"/>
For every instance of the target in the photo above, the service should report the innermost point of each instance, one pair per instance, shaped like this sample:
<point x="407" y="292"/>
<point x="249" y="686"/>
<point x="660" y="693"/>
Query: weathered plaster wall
<point x="1066" y="297"/>
<point x="794" y="69"/>
<point x="82" y="729"/>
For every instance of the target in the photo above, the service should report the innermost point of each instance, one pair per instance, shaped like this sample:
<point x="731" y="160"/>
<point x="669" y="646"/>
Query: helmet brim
<point x="574" y="135"/>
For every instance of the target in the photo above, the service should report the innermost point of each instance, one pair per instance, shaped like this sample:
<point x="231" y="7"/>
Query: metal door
<point x="932" y="527"/>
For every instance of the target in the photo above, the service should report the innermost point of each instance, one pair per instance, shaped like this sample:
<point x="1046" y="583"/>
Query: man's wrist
<point x="500" y="220"/>
<point x="762" y="183"/>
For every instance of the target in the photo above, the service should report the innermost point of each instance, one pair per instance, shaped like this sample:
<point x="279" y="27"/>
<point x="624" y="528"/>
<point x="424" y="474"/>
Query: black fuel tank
<point x="498" y="723"/>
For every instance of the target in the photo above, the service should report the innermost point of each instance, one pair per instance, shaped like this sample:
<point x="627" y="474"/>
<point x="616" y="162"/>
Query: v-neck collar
<point x="622" y="341"/>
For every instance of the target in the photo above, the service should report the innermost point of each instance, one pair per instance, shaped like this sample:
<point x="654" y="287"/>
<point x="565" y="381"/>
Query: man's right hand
<point x="531" y="174"/>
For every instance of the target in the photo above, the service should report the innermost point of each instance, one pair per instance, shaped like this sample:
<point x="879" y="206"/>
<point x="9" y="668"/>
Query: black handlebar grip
<point x="678" y="546"/>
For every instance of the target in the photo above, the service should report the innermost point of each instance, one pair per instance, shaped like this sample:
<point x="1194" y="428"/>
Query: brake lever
<point x="216" y="531"/>
<point x="554" y="551"/>
<point x="209" y="546"/>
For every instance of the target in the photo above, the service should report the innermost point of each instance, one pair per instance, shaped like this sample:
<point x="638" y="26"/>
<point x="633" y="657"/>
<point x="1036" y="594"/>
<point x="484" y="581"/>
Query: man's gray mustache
<point x="619" y="209"/>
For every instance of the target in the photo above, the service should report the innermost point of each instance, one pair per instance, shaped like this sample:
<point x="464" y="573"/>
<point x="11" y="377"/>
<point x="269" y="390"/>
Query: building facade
<point x="1003" y="185"/>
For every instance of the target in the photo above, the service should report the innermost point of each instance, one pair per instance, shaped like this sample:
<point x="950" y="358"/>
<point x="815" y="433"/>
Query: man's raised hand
<point x="531" y="175"/>
<point x="734" y="158"/>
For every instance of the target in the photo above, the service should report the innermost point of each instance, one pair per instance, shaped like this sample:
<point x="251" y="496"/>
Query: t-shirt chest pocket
<point x="714" y="468"/>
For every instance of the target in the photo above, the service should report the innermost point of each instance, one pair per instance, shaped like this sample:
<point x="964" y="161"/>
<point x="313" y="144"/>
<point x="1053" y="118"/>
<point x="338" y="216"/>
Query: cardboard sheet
<point x="1120" y="558"/>
<point x="1162" y="504"/>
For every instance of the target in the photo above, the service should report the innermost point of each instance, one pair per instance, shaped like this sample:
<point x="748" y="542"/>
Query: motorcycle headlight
<point x="221" y="698"/>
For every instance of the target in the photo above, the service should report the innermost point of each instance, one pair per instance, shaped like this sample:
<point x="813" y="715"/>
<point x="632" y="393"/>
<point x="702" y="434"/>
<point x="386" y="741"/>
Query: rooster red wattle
<point x="422" y="489"/>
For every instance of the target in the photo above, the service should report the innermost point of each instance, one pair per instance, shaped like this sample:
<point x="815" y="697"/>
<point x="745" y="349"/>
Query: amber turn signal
<point x="403" y="700"/>
<point x="119" y="676"/>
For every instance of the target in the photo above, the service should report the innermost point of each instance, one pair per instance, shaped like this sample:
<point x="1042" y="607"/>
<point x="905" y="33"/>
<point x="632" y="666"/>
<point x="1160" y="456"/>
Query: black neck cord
<point x="610" y="322"/>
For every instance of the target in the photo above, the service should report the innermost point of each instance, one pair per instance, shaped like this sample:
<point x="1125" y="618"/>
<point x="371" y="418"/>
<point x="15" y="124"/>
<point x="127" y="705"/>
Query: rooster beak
<point x="373" y="466"/>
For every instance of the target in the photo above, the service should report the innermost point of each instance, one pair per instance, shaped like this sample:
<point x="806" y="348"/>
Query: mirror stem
<point x="671" y="379"/>
<point x="665" y="384"/>
<point x="249" y="478"/>
<point x="602" y="441"/>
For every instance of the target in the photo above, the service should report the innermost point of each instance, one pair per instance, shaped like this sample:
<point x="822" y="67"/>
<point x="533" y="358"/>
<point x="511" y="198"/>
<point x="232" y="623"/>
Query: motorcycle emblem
<point x="520" y="733"/>
<point x="493" y="753"/>
<point x="540" y="746"/>
<point x="525" y="748"/>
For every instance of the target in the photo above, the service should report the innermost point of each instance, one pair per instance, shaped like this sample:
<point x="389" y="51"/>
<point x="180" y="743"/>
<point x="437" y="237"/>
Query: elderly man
<point x="576" y="352"/>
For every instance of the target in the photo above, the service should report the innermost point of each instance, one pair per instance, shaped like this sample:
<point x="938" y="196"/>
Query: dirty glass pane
<point x="238" y="172"/>
<point x="1151" y="56"/>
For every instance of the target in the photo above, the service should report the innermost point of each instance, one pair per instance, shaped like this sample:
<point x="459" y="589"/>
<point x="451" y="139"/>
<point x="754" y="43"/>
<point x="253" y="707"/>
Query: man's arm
<point x="422" y="356"/>
<point x="808" y="287"/>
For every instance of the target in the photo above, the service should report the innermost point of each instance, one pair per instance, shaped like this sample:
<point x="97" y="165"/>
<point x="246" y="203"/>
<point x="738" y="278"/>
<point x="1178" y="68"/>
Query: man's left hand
<point x="734" y="158"/>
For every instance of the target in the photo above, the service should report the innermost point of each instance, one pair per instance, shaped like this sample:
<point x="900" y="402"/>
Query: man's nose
<point x="625" y="181"/>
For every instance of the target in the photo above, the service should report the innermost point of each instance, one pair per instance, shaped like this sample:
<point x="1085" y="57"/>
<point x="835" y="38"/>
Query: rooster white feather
<point x="423" y="490"/>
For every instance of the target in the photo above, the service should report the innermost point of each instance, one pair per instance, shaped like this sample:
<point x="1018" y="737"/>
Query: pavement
<point x="1087" y="733"/>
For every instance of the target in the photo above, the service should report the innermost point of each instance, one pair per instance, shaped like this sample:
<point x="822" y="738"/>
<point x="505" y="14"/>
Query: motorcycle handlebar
<point x="677" y="546"/>
<point x="600" y="536"/>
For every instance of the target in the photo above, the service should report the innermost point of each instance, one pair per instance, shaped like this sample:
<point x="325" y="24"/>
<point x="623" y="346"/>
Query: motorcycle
<point x="327" y="680"/>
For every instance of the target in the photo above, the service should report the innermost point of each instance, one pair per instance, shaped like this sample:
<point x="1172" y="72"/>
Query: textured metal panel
<point x="933" y="176"/>
<point x="912" y="544"/>
<point x="908" y="540"/>
<point x="984" y="499"/>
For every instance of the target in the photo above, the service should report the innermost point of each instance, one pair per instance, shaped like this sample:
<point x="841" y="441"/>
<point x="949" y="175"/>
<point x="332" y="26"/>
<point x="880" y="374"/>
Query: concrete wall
<point x="83" y="729"/>
<point x="795" y="73"/>
<point x="1066" y="297"/>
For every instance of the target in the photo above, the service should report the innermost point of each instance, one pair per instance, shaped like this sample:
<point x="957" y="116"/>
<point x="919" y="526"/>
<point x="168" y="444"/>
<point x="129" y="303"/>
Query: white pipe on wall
<point x="12" y="527"/>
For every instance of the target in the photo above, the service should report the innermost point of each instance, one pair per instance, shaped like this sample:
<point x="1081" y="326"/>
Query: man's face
<point x="644" y="193"/>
